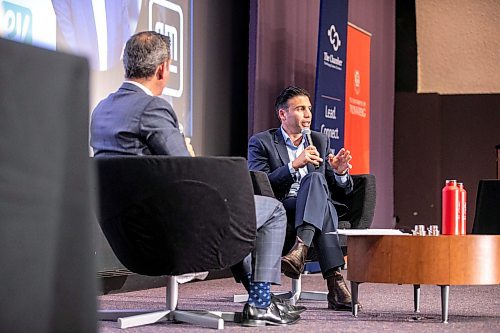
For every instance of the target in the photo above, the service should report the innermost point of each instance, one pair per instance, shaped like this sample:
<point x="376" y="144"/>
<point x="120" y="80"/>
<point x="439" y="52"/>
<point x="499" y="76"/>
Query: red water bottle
<point x="450" y="209"/>
<point x="462" y="199"/>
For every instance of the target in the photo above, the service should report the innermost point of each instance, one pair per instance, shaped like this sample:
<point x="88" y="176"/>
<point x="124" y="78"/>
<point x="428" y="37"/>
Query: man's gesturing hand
<point x="340" y="162"/>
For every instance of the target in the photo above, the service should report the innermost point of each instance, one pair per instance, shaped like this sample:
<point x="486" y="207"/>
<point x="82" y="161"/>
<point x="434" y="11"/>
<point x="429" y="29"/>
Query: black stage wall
<point x="220" y="77"/>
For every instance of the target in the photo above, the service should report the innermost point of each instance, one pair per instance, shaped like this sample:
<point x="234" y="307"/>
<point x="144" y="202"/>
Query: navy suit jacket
<point x="131" y="122"/>
<point x="267" y="152"/>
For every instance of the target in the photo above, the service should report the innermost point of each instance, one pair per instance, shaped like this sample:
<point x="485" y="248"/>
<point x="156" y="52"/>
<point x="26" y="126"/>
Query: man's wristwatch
<point x="293" y="171"/>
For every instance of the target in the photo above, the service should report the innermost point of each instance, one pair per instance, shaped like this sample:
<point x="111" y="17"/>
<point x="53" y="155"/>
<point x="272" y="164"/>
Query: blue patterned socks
<point x="259" y="294"/>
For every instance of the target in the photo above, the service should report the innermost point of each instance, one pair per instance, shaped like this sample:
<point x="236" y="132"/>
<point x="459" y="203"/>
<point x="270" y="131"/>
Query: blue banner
<point x="329" y="103"/>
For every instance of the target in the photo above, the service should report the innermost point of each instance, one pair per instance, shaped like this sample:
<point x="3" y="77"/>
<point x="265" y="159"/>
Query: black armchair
<point x="175" y="215"/>
<point x="361" y="206"/>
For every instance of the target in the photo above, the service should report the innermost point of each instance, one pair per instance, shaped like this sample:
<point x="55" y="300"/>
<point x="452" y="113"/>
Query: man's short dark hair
<point x="286" y="94"/>
<point x="144" y="52"/>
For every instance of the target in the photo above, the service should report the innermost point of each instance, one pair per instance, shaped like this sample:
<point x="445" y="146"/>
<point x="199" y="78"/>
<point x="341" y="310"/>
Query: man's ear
<point x="162" y="70"/>
<point x="281" y="114"/>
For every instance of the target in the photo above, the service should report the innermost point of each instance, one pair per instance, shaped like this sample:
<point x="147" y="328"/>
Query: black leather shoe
<point x="271" y="315"/>
<point x="286" y="307"/>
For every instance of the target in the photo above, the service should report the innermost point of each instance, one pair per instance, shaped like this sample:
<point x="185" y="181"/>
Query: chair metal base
<point x="133" y="318"/>
<point x="297" y="293"/>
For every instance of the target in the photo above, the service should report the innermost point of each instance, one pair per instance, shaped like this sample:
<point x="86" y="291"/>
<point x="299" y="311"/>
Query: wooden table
<point x="439" y="260"/>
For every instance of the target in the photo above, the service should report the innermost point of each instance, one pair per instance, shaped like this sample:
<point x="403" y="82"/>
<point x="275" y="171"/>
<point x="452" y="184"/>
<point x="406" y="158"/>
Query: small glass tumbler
<point x="433" y="230"/>
<point x="419" y="230"/>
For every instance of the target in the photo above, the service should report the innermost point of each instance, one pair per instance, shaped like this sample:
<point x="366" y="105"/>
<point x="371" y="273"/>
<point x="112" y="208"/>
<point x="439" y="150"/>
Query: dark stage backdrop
<point x="220" y="77"/>
<point x="283" y="46"/>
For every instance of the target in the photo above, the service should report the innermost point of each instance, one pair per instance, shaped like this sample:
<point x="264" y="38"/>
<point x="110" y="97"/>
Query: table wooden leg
<point x="445" y="292"/>
<point x="416" y="297"/>
<point x="354" y="292"/>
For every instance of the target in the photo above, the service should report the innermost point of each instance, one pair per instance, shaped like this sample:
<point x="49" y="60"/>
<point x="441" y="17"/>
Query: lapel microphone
<point x="307" y="132"/>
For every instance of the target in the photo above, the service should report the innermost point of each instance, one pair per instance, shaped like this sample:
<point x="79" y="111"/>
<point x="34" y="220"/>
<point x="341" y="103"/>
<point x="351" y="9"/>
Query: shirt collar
<point x="288" y="140"/>
<point x="143" y="87"/>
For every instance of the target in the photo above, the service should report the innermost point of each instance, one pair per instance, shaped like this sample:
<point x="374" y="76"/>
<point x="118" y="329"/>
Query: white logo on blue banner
<point x="334" y="37"/>
<point x="329" y="104"/>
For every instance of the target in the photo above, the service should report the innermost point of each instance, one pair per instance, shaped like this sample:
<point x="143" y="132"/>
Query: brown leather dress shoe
<point x="292" y="264"/>
<point x="339" y="297"/>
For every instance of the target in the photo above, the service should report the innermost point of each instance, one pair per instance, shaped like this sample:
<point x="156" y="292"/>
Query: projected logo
<point x="17" y="22"/>
<point x="166" y="18"/>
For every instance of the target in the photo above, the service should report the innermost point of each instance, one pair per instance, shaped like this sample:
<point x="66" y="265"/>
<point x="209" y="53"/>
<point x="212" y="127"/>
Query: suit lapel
<point x="279" y="142"/>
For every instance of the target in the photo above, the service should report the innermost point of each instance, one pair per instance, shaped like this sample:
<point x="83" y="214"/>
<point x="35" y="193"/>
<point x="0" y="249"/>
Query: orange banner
<point x="357" y="99"/>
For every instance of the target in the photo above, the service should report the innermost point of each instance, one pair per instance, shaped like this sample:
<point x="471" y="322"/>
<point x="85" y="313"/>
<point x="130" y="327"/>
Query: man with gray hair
<point x="135" y="121"/>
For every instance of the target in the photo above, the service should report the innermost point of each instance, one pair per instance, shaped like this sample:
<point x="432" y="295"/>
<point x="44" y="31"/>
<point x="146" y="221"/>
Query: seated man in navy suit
<point x="135" y="121"/>
<point x="303" y="176"/>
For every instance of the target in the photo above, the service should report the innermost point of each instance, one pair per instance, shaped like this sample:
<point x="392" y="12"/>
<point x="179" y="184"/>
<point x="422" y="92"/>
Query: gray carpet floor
<point x="386" y="308"/>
